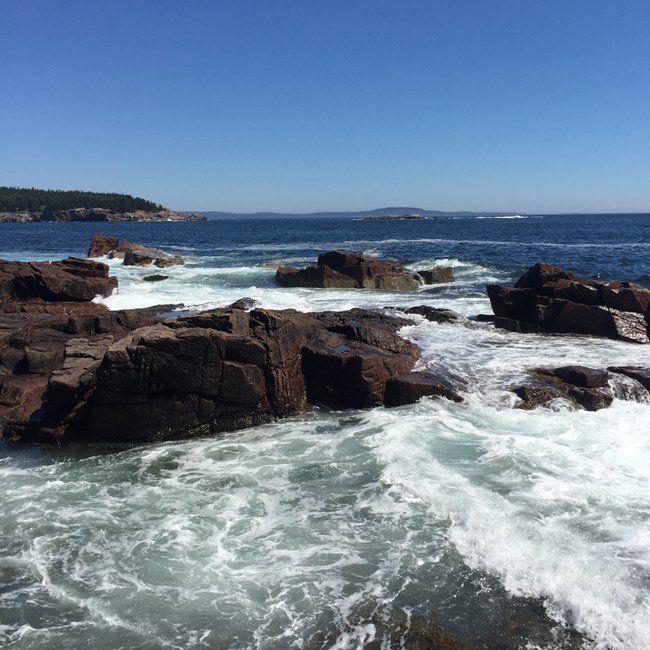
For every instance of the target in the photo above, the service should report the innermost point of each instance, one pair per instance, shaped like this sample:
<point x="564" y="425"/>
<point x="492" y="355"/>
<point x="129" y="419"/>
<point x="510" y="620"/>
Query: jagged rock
<point x="73" y="279"/>
<point x="344" y="270"/>
<point x="584" y="387"/>
<point x="131" y="254"/>
<point x="227" y="369"/>
<point x="316" y="277"/>
<point x="437" y="275"/>
<point x="137" y="255"/>
<point x="101" y="245"/>
<point x="409" y="388"/>
<point x="129" y="376"/>
<point x="547" y="299"/>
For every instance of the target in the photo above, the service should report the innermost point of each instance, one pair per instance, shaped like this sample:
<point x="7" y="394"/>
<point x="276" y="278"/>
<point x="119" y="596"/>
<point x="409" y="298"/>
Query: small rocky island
<point x="345" y="270"/>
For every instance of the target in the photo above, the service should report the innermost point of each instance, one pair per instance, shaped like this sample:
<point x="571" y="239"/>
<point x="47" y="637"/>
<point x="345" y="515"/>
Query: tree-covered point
<point x="14" y="199"/>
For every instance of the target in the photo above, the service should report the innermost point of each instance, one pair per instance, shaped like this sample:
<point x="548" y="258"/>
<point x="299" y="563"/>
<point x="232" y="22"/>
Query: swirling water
<point x="524" y="529"/>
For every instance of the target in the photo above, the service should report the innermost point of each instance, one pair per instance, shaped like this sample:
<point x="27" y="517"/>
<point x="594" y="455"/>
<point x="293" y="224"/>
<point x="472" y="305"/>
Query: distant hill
<point x="16" y="199"/>
<point x="351" y="215"/>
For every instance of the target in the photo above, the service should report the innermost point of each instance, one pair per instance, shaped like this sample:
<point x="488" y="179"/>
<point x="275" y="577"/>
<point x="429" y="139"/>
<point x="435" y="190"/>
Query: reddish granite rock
<point x="548" y="299"/>
<point x="132" y="254"/>
<point x="344" y="270"/>
<point x="101" y="245"/>
<point x="73" y="279"/>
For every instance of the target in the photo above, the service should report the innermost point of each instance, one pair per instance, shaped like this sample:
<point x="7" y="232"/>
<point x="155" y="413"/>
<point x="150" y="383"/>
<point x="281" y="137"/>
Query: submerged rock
<point x="345" y="270"/>
<point x="548" y="299"/>
<point x="583" y="387"/>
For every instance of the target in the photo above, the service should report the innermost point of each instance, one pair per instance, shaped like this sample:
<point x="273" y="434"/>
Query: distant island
<point x="399" y="217"/>
<point x="18" y="204"/>
<point x="392" y="213"/>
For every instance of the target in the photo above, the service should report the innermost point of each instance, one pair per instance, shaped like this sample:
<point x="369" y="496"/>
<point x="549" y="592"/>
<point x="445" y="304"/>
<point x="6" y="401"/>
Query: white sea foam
<point x="553" y="504"/>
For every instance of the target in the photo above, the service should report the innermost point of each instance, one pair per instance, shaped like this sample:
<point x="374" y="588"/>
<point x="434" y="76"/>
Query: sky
<point x="532" y="106"/>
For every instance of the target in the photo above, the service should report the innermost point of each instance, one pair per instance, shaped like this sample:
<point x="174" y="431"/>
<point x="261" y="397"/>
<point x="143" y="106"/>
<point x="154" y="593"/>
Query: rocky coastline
<point x="70" y="369"/>
<point x="95" y="215"/>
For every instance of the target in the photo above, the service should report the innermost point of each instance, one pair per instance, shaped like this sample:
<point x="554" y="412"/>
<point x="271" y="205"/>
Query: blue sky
<point x="305" y="105"/>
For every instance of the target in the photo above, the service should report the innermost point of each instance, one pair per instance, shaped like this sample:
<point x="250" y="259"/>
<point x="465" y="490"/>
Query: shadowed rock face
<point x="228" y="369"/>
<point x="547" y="299"/>
<point x="344" y="270"/>
<point x="85" y="372"/>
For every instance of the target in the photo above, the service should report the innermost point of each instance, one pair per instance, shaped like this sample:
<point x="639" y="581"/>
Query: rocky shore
<point x="72" y="369"/>
<point x="94" y="215"/>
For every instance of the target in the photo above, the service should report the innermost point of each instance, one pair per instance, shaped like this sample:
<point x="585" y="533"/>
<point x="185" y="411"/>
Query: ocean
<point x="511" y="529"/>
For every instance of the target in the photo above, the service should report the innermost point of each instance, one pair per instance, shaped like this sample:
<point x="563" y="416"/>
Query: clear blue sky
<point x="306" y="105"/>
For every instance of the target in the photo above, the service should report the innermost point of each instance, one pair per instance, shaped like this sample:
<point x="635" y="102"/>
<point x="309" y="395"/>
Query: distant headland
<point x="19" y="204"/>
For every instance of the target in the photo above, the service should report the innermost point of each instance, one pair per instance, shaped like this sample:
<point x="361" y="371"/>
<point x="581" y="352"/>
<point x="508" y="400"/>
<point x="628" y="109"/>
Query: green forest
<point x="14" y="199"/>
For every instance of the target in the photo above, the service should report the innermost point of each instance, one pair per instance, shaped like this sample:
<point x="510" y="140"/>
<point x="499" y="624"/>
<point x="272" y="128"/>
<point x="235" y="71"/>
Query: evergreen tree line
<point x="14" y="199"/>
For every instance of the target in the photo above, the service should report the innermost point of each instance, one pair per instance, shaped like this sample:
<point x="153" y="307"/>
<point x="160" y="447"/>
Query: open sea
<point x="513" y="529"/>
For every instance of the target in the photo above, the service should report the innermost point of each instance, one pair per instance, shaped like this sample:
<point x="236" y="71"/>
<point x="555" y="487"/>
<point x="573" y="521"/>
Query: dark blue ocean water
<point x="606" y="246"/>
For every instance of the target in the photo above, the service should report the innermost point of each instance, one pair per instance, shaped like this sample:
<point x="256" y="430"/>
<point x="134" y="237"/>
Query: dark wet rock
<point x="435" y="314"/>
<point x="411" y="387"/>
<point x="227" y="369"/>
<point x="483" y="318"/>
<point x="244" y="303"/>
<point x="437" y="275"/>
<point x="155" y="277"/>
<point x="345" y="270"/>
<point x="638" y="373"/>
<point x="583" y="387"/>
<point x="582" y="376"/>
<point x="70" y="280"/>
<point x="548" y="299"/>
<point x="129" y="376"/>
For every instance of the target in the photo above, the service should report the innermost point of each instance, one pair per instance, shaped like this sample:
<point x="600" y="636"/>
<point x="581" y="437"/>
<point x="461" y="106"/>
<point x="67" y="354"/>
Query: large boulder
<point x="131" y="254"/>
<point x="131" y="376"/>
<point x="72" y="279"/>
<point x="227" y="369"/>
<point x="548" y="299"/>
<point x="345" y="270"/>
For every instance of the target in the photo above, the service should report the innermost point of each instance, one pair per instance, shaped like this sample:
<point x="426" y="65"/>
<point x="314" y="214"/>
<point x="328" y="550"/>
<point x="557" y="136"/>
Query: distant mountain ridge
<point x="350" y="214"/>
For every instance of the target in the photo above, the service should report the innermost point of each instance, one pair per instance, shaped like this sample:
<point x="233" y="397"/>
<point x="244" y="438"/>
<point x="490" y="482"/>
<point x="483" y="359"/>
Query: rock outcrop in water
<point x="71" y="280"/>
<point x="548" y="299"/>
<point x="344" y="270"/>
<point x="72" y="369"/>
<point x="132" y="254"/>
